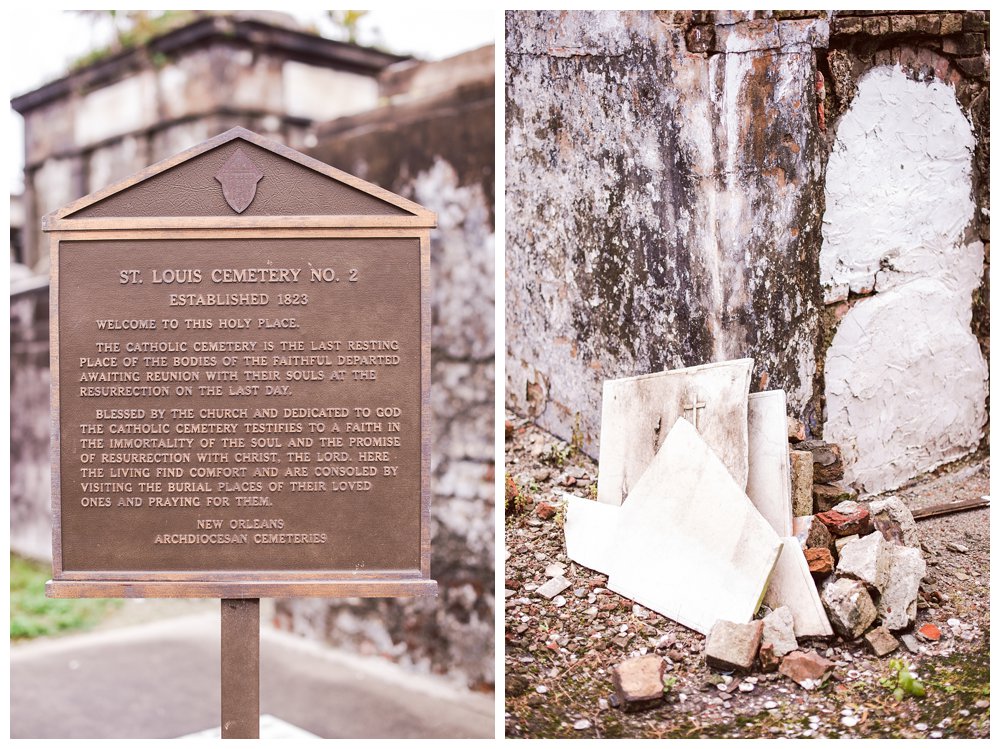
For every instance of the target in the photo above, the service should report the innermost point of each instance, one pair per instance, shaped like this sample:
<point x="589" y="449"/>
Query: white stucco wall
<point x="906" y="383"/>
<point x="324" y="94"/>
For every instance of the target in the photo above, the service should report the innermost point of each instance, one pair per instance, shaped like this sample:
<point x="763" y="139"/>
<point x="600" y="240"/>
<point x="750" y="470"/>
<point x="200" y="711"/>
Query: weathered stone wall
<point x="663" y="203"/>
<point x="670" y="202"/>
<point x="439" y="152"/>
<point x="119" y="115"/>
<point x="30" y="514"/>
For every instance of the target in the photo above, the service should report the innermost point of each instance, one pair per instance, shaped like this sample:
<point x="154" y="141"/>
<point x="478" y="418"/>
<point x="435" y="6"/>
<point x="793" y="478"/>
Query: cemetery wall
<point x="437" y="150"/>
<point x="30" y="519"/>
<point x="115" y="116"/>
<point x="669" y="203"/>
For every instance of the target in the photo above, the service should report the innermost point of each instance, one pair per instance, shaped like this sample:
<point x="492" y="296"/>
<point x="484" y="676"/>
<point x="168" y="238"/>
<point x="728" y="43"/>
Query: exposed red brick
<point x="820" y="561"/>
<point x="545" y="511"/>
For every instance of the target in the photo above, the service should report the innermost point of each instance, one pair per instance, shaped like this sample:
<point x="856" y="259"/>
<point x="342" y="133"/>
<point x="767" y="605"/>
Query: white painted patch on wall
<point x="906" y="383"/>
<point x="898" y="186"/>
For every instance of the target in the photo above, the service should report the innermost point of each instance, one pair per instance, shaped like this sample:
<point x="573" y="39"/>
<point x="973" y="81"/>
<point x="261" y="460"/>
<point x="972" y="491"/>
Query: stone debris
<point x="812" y="534"/>
<point x="898" y="605"/>
<point x="767" y="658"/>
<point x="881" y="641"/>
<point x="802" y="482"/>
<point x="792" y="585"/>
<point x="820" y="561"/>
<point x="849" y="607"/>
<point x="840" y="543"/>
<point x="555" y="569"/>
<point x="796" y="430"/>
<point x="867" y="559"/>
<point x="846" y="519"/>
<point x="732" y="646"/>
<point x="806" y="668"/>
<point x="779" y="632"/>
<point x="553" y="587"/>
<point x="828" y="464"/>
<point x="911" y="643"/>
<point x="893" y="519"/>
<point x="638" y="682"/>
<point x="959" y="548"/>
<point x="827" y="496"/>
<point x="581" y="725"/>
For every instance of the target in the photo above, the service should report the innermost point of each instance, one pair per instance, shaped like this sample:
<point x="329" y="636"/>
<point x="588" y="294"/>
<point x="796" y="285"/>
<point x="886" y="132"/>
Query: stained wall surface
<point x="685" y="187"/>
<point x="436" y="147"/>
<point x="662" y="204"/>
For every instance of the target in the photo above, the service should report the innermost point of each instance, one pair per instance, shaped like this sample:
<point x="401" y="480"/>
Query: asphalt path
<point x="161" y="680"/>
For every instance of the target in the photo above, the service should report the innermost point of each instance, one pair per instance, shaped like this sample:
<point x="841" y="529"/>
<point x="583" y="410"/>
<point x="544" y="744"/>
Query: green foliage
<point x="347" y="22"/>
<point x="34" y="615"/>
<point x="558" y="455"/>
<point x="516" y="500"/>
<point x="576" y="443"/>
<point x="668" y="683"/>
<point x="902" y="681"/>
<point x="134" y="28"/>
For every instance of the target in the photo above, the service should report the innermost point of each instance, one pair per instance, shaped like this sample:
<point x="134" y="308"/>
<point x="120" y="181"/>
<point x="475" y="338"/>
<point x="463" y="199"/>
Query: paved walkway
<point x="161" y="680"/>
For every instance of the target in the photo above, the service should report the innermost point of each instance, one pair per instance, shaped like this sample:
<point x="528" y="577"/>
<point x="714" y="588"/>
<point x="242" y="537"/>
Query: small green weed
<point x="558" y="455"/>
<point x="902" y="681"/>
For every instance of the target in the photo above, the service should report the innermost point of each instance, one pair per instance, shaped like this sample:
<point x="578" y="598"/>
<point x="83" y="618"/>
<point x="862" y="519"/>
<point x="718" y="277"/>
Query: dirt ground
<point x="559" y="652"/>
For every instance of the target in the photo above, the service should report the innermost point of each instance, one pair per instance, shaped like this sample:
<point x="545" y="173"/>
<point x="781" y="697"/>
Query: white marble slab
<point x="689" y="544"/>
<point x="589" y="530"/>
<point x="793" y="586"/>
<point x="769" y="483"/>
<point x="637" y="413"/>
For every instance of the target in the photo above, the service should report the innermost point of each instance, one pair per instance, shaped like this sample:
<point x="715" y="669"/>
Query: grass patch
<point x="34" y="615"/>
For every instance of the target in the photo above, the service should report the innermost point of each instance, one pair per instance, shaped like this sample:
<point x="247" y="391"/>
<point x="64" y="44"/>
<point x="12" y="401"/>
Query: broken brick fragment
<point x="545" y="511"/>
<point x="847" y="522"/>
<point x="930" y="632"/>
<point x="806" y="668"/>
<point x="820" y="561"/>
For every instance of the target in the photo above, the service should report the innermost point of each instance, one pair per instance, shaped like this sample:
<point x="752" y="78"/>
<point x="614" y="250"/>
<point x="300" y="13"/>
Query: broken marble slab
<point x="792" y="586"/>
<point x="689" y="543"/>
<point x="769" y="483"/>
<point x="589" y="528"/>
<point x="637" y="413"/>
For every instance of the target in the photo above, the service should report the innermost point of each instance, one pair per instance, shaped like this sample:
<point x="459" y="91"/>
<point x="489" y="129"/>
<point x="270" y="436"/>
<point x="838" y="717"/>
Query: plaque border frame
<point x="62" y="227"/>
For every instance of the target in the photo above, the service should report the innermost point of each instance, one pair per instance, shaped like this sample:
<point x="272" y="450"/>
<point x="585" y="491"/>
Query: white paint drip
<point x="906" y="383"/>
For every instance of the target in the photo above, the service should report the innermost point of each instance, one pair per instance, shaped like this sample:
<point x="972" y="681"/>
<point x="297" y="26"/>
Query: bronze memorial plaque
<point x="240" y="340"/>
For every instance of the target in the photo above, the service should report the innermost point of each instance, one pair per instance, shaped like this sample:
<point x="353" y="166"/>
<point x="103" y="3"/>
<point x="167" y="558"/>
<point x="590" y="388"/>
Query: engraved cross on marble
<point x="695" y="405"/>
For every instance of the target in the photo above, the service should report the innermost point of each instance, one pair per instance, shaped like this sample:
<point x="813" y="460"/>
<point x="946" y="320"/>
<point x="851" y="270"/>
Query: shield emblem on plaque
<point x="239" y="177"/>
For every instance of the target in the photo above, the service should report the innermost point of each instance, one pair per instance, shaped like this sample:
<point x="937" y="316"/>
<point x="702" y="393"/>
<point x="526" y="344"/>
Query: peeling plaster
<point x="906" y="383"/>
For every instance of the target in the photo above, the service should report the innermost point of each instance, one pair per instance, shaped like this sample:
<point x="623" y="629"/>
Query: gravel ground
<point x="559" y="652"/>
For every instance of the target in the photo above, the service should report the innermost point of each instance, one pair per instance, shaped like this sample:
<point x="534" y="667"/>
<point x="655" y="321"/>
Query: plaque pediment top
<point x="240" y="179"/>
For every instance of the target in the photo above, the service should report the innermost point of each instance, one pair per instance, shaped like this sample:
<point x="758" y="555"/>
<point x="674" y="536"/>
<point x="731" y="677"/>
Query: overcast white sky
<point x="41" y="43"/>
